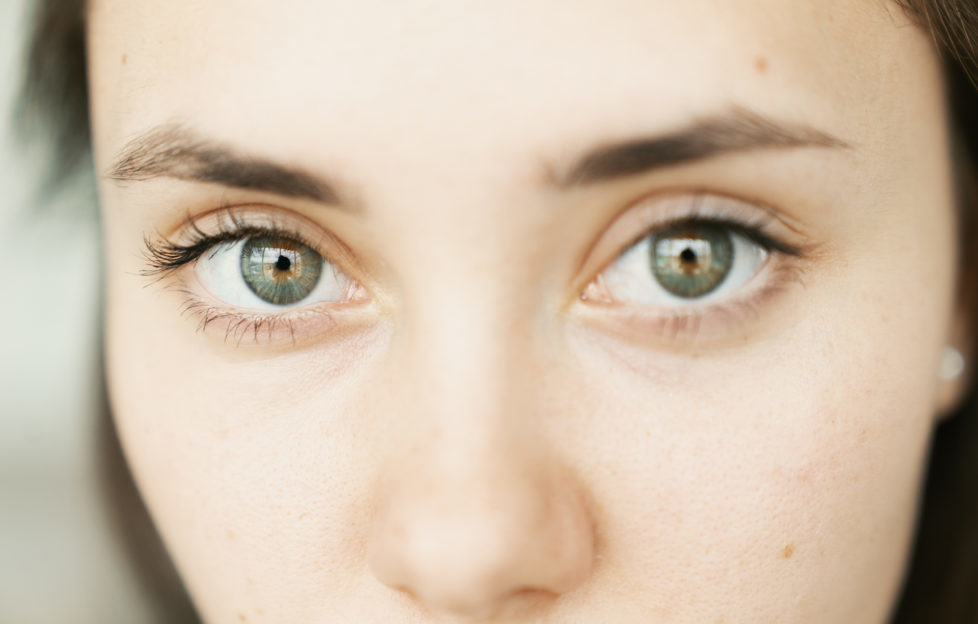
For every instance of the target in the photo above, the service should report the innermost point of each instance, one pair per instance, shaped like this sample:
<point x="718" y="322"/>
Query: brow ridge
<point x="175" y="151"/>
<point x="736" y="131"/>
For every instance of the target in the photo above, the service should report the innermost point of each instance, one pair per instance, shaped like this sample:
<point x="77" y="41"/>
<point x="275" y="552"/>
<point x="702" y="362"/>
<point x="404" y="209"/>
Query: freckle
<point x="125" y="58"/>
<point x="788" y="551"/>
<point x="242" y="618"/>
<point x="760" y="63"/>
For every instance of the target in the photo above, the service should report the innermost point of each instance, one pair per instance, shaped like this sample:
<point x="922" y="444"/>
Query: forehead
<point x="303" y="74"/>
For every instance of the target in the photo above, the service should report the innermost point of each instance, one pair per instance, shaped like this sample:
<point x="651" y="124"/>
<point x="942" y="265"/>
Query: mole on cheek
<point x="788" y="551"/>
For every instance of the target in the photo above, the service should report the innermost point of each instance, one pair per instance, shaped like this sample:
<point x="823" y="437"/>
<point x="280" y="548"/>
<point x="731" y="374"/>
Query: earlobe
<point x="953" y="371"/>
<point x="953" y="381"/>
<point x="952" y="364"/>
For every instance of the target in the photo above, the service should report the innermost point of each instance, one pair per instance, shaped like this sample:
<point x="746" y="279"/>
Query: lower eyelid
<point x="706" y="321"/>
<point x="293" y="327"/>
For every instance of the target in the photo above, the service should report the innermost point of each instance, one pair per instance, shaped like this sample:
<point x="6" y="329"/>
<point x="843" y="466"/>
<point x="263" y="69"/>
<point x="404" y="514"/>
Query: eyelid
<point x="761" y="223"/>
<point x="295" y="326"/>
<point x="229" y="223"/>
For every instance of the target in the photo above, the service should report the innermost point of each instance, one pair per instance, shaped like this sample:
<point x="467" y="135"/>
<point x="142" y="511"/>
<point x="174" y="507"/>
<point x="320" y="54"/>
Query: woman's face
<point x="555" y="312"/>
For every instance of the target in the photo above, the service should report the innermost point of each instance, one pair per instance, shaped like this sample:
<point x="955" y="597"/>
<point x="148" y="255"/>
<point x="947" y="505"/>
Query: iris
<point x="280" y="270"/>
<point x="691" y="260"/>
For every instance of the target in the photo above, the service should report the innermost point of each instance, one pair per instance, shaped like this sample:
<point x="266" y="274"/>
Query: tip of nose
<point x="462" y="558"/>
<point x="484" y="547"/>
<point x="477" y="575"/>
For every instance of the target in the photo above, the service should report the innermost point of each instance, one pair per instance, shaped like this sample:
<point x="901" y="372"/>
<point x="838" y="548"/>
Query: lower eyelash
<point x="675" y="324"/>
<point x="238" y="326"/>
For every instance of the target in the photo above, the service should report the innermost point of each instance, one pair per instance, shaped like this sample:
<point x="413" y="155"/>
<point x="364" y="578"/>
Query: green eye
<point x="691" y="260"/>
<point x="279" y="270"/>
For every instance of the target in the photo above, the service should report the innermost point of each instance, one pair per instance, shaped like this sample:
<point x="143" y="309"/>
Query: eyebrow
<point x="174" y="151"/>
<point x="738" y="130"/>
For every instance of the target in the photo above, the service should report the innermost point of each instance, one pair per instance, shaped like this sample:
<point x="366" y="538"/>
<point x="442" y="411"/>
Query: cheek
<point x="257" y="488"/>
<point x="791" y="464"/>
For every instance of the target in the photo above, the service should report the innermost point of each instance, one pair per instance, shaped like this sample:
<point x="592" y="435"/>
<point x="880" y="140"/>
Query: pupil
<point x="283" y="264"/>
<point x="688" y="255"/>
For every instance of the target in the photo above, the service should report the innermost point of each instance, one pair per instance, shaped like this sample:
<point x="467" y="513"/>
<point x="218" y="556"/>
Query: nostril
<point x="526" y="601"/>
<point x="512" y="605"/>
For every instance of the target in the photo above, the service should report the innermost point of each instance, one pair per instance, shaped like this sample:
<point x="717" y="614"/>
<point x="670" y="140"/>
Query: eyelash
<point x="165" y="257"/>
<point x="686" y="322"/>
<point x="753" y="231"/>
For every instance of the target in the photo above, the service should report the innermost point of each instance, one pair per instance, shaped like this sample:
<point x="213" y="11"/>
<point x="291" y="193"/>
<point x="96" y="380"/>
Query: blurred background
<point x="61" y="559"/>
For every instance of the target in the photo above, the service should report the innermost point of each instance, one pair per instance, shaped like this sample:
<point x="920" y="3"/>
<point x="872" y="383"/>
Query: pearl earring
<point x="952" y="364"/>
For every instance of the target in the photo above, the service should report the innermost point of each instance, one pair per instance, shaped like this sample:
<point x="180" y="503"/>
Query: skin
<point x="470" y="440"/>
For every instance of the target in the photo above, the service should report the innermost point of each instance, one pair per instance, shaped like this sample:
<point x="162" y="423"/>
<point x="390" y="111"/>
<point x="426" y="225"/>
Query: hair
<point x="939" y="586"/>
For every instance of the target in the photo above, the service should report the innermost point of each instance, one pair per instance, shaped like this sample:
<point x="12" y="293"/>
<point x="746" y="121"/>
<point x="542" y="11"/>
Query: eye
<point x="270" y="272"/>
<point x="693" y="261"/>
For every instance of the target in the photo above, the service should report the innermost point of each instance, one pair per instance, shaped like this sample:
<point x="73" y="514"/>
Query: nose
<point x="476" y="518"/>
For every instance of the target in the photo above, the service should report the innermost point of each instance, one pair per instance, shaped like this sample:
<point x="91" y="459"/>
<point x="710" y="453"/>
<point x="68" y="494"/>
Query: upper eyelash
<point x="752" y="231"/>
<point x="165" y="256"/>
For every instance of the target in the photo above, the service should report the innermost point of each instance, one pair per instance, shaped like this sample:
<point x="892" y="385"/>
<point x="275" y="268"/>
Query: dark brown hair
<point x="941" y="586"/>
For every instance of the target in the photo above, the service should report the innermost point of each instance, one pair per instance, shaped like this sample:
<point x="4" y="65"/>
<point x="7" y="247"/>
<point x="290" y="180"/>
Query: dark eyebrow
<point x="175" y="151"/>
<point x="736" y="131"/>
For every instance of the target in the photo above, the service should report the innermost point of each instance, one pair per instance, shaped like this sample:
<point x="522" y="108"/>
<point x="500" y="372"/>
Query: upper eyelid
<point x="753" y="232"/>
<point x="240" y="221"/>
